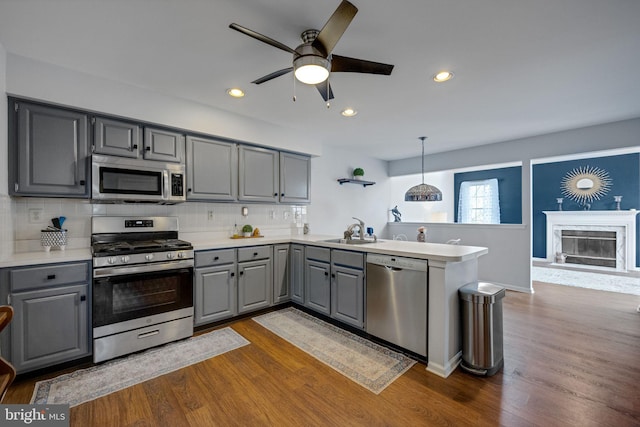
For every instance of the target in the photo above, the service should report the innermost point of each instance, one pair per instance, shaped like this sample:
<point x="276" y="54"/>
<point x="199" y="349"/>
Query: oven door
<point x="127" y="293"/>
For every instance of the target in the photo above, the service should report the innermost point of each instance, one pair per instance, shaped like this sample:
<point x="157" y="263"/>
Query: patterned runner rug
<point x="91" y="383"/>
<point x="368" y="364"/>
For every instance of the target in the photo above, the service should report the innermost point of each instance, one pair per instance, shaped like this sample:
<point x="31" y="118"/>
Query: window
<point x="479" y="202"/>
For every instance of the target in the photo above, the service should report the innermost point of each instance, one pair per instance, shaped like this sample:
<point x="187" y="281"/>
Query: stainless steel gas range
<point x="142" y="284"/>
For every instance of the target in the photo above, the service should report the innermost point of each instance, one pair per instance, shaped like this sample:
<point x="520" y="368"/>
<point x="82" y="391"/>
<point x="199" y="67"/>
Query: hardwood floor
<point x="572" y="358"/>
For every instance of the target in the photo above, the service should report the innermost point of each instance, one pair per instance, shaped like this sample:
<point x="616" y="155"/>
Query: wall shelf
<point x="355" y="181"/>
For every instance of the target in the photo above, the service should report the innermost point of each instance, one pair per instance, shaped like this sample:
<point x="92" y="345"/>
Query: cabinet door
<point x="281" y="288"/>
<point x="317" y="286"/>
<point x="347" y="295"/>
<point x="297" y="273"/>
<point x="49" y="326"/>
<point x="49" y="149"/>
<point x="164" y="145"/>
<point x="117" y="138"/>
<point x="215" y="293"/>
<point x="255" y="283"/>
<point x="258" y="174"/>
<point x="295" y="178"/>
<point x="212" y="169"/>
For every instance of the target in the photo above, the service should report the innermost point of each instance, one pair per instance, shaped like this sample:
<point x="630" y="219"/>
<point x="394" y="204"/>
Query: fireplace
<point x="592" y="239"/>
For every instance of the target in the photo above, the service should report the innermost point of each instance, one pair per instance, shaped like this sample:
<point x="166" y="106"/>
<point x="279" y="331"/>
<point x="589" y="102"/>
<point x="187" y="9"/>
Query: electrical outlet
<point x="35" y="215"/>
<point x="286" y="215"/>
<point x="210" y="215"/>
<point x="273" y="214"/>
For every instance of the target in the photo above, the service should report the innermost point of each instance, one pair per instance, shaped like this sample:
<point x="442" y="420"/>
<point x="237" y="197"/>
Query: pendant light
<point x="423" y="192"/>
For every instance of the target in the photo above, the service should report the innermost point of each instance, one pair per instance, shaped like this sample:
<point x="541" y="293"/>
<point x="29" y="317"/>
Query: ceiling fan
<point x="313" y="60"/>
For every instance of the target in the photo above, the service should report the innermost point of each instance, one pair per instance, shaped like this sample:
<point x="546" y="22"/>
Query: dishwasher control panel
<point x="398" y="262"/>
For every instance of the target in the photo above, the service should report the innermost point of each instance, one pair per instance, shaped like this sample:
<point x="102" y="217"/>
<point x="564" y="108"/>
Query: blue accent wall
<point x="624" y="172"/>
<point x="509" y="187"/>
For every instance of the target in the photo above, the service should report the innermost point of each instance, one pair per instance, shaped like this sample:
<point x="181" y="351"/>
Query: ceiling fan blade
<point x="335" y="27"/>
<point x="273" y="75"/>
<point x="352" y="65"/>
<point x="262" y="38"/>
<point x="325" y="90"/>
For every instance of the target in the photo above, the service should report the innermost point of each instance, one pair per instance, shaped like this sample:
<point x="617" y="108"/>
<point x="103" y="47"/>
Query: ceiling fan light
<point x="311" y="69"/>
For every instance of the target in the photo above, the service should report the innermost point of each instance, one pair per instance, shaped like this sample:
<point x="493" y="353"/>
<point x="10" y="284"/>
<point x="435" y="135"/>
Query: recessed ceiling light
<point x="348" y="112"/>
<point x="443" y="76"/>
<point x="235" y="92"/>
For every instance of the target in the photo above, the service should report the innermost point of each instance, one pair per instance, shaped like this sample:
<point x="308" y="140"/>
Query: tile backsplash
<point x="21" y="219"/>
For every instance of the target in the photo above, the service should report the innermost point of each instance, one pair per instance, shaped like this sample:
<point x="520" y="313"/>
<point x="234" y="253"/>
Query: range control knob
<point x="180" y="254"/>
<point x="170" y="255"/>
<point x="148" y="257"/>
<point x="125" y="259"/>
<point x="111" y="260"/>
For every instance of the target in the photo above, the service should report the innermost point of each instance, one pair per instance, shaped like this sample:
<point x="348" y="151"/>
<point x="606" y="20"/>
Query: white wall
<point x="508" y="262"/>
<point x="38" y="80"/>
<point x="6" y="220"/>
<point x="333" y="205"/>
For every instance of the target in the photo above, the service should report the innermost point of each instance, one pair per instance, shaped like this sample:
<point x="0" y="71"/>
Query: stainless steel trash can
<point x="481" y="308"/>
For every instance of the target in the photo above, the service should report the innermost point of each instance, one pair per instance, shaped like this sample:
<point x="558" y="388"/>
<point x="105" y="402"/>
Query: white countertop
<point x="432" y="251"/>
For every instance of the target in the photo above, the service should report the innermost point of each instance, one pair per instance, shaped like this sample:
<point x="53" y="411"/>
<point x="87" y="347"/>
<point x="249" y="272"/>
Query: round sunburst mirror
<point x="586" y="184"/>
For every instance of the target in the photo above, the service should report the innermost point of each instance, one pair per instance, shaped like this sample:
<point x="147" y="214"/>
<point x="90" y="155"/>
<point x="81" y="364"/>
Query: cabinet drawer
<point x="48" y="275"/>
<point x="319" y="254"/>
<point x="348" y="258"/>
<point x="254" y="252"/>
<point x="217" y="257"/>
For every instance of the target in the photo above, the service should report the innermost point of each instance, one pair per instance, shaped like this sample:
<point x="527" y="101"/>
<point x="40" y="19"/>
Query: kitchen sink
<point x="352" y="241"/>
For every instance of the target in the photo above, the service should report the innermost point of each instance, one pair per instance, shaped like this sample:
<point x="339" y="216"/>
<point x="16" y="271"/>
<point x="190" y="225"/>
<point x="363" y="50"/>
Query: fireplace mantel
<point x="623" y="222"/>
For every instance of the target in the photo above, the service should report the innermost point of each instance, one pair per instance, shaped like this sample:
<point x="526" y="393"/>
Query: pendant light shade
<point x="423" y="192"/>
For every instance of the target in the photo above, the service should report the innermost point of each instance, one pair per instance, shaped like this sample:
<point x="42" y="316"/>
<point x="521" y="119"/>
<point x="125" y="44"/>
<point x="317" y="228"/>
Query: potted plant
<point x="358" y="173"/>
<point x="246" y="230"/>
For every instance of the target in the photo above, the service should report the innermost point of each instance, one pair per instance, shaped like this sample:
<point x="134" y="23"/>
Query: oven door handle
<point x="142" y="268"/>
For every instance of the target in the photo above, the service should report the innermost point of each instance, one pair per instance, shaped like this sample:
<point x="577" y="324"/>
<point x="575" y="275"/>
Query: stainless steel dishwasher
<point x="397" y="301"/>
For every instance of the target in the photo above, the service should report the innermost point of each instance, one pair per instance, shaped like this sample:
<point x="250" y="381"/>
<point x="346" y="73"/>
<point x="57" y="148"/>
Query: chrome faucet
<point x="360" y="226"/>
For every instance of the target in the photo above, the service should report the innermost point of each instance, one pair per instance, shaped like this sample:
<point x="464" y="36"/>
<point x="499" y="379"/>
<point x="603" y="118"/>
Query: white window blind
<point x="479" y="202"/>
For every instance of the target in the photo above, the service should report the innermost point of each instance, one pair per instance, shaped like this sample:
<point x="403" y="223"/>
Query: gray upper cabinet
<point x="48" y="151"/>
<point x="116" y="137"/>
<point x="258" y="174"/>
<point x="295" y="178"/>
<point x="212" y="169"/>
<point x="164" y="145"/>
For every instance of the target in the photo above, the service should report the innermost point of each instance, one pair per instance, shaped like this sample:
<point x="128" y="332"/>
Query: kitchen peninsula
<point x="449" y="268"/>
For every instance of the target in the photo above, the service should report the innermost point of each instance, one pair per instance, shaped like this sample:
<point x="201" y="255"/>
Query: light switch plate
<point x="35" y="215"/>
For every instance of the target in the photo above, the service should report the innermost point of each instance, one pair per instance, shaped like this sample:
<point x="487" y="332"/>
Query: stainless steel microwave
<point x="121" y="179"/>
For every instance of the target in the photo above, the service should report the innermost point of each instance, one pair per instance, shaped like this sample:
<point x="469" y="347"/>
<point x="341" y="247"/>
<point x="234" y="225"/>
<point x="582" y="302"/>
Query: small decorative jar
<point x="422" y="234"/>
<point x="56" y="239"/>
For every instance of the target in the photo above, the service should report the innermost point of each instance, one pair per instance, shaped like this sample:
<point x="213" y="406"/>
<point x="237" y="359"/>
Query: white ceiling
<point x="521" y="67"/>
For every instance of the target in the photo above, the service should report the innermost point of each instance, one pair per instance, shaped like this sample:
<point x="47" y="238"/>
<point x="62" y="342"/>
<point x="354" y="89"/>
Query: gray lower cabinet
<point x="258" y="176"/>
<point x="281" y="274"/>
<point x="164" y="145"/>
<point x="255" y="278"/>
<point x="212" y="169"/>
<point x="347" y="287"/>
<point x="317" y="292"/>
<point x="116" y="137"/>
<point x="51" y="314"/>
<point x="48" y="151"/>
<point x="215" y="293"/>
<point x="295" y="178"/>
<point x="296" y="269"/>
